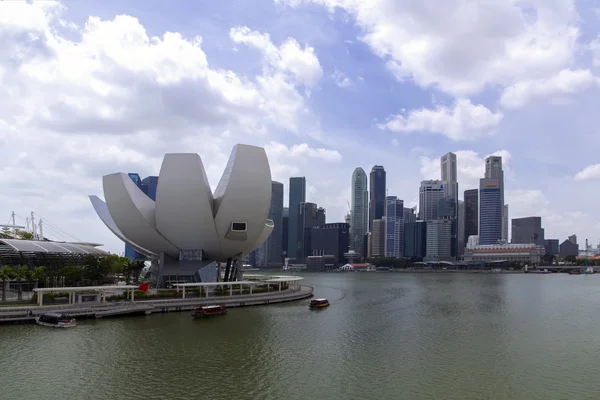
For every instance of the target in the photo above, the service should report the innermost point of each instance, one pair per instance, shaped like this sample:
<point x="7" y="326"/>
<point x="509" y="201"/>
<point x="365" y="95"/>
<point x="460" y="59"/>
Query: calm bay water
<point x="385" y="336"/>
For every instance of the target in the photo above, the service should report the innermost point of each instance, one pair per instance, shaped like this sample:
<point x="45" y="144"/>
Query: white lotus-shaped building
<point x="188" y="227"/>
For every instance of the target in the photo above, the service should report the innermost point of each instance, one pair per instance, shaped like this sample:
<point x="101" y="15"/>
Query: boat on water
<point x="55" y="320"/>
<point x="574" y="272"/>
<point x="209" y="311"/>
<point x="318" y="304"/>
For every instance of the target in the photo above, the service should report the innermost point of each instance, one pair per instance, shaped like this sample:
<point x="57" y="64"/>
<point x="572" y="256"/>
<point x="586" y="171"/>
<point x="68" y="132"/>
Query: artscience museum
<point x="190" y="233"/>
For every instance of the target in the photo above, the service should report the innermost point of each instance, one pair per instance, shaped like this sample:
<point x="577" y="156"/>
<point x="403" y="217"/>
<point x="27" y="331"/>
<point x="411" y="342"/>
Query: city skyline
<point x="327" y="90"/>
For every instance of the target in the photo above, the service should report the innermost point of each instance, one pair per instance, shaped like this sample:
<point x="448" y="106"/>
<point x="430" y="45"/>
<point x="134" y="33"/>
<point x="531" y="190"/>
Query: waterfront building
<point x="409" y="215"/>
<point x="438" y="245"/>
<point x="394" y="227"/>
<point x="552" y="246"/>
<point x="297" y="195"/>
<point x="285" y="232"/>
<point x="269" y="253"/>
<point x="415" y="240"/>
<point x="460" y="230"/>
<point x="505" y="224"/>
<point x="573" y="239"/>
<point x="377" y="193"/>
<point x="471" y="213"/>
<point x="308" y="217"/>
<point x="491" y="202"/>
<point x="331" y="240"/>
<point x="527" y="230"/>
<point x="359" y="213"/>
<point x="378" y="238"/>
<point x="568" y="248"/>
<point x="430" y="193"/>
<point x="527" y="253"/>
<point x="189" y="229"/>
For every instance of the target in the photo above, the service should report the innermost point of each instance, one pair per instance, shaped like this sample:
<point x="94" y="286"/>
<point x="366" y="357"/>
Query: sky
<point x="90" y="88"/>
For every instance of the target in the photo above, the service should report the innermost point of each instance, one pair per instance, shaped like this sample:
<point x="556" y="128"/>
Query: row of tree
<point x="93" y="271"/>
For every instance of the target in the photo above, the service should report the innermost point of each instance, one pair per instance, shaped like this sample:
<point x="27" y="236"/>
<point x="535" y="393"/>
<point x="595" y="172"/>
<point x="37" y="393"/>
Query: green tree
<point x="127" y="269"/>
<point x="39" y="274"/>
<point x="548" y="259"/>
<point x="570" y="258"/>
<point x="95" y="269"/>
<point x="22" y="273"/>
<point x="72" y="275"/>
<point x="136" y="268"/>
<point x="6" y="273"/>
<point x="26" y="235"/>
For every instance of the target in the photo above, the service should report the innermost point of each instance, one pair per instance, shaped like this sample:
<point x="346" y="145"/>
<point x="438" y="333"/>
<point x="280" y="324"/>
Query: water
<point x="385" y="336"/>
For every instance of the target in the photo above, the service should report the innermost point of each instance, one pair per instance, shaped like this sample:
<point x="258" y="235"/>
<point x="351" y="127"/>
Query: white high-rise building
<point x="449" y="175"/>
<point x="359" y="213"/>
<point x="430" y="194"/>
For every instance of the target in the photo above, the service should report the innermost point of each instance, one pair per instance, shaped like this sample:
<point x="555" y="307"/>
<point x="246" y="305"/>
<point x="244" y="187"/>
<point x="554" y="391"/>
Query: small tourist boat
<point x="55" y="320"/>
<point x="209" y="311"/>
<point x="318" y="304"/>
<point x="574" y="272"/>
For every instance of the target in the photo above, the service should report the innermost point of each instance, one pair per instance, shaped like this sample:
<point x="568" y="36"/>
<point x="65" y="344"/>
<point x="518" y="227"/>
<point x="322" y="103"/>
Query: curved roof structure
<point x="43" y="246"/>
<point x="186" y="215"/>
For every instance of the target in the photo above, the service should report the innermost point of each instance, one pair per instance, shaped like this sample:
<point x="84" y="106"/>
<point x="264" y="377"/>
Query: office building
<point x="378" y="238"/>
<point x="430" y="193"/>
<point x="573" y="239"/>
<point x="491" y="202"/>
<point x="308" y="217"/>
<point x="297" y="195"/>
<point x="377" y="193"/>
<point x="359" y="215"/>
<point x="268" y="254"/>
<point x="285" y="232"/>
<point x="394" y="227"/>
<point x="460" y="229"/>
<point x="409" y="215"/>
<point x="522" y="253"/>
<point x="505" y="224"/>
<point x="331" y="240"/>
<point x="552" y="246"/>
<point x="471" y="198"/>
<point x="438" y="246"/>
<point x="449" y="175"/>
<point x="321" y="217"/>
<point x="148" y="186"/>
<point x="527" y="230"/>
<point x="568" y="248"/>
<point x="415" y="240"/>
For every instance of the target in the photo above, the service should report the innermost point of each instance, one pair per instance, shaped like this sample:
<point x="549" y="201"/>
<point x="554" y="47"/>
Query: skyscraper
<point x="297" y="196"/>
<point x="285" y="231"/>
<point x="376" y="194"/>
<point x="527" y="230"/>
<point x="359" y="215"/>
<point x="438" y="245"/>
<point x="471" y="213"/>
<point x="491" y="202"/>
<point x="394" y="227"/>
<point x="269" y="253"/>
<point x="505" y="223"/>
<point x="430" y="193"/>
<point x="449" y="175"/>
<point x="148" y="186"/>
<point x="309" y="215"/>
<point x="378" y="238"/>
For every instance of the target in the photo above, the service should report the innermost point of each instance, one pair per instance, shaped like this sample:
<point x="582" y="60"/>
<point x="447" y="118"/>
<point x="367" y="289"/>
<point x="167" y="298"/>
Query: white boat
<point x="55" y="320"/>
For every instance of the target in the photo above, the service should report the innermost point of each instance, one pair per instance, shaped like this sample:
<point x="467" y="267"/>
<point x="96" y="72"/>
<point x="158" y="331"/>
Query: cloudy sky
<point x="92" y="87"/>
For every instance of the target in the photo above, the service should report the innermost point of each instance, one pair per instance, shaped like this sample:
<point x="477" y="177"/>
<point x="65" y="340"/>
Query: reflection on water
<point x="385" y="336"/>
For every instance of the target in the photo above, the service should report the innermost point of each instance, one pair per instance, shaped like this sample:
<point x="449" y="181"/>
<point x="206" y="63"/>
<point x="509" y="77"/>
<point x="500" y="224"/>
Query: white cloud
<point x="290" y="57"/>
<point x="341" y="80"/>
<point x="463" y="121"/>
<point x="460" y="47"/>
<point x="566" y="82"/>
<point x="111" y="98"/>
<point x="591" y="172"/>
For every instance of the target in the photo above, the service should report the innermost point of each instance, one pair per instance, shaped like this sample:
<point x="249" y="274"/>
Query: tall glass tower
<point x="359" y="216"/>
<point x="377" y="195"/>
<point x="296" y="197"/>
<point x="491" y="202"/>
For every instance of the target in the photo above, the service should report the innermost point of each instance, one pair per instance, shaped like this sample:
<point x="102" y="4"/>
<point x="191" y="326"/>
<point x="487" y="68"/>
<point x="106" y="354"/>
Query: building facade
<point x="450" y="175"/>
<point x="526" y="253"/>
<point x="527" y="230"/>
<point x="297" y="195"/>
<point x="331" y="240"/>
<point x="492" y="220"/>
<point x="394" y="227"/>
<point x="415" y="240"/>
<point x="378" y="238"/>
<point x="359" y="215"/>
<point x="568" y="248"/>
<point x="269" y="253"/>
<point x="552" y="246"/>
<point x="285" y="225"/>
<point x="147" y="185"/>
<point x="377" y="193"/>
<point x="438" y="246"/>
<point x="308" y="218"/>
<point x="471" y="198"/>
<point x="430" y="193"/>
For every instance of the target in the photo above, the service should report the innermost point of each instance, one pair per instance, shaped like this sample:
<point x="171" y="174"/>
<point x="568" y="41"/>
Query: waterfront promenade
<point x="26" y="314"/>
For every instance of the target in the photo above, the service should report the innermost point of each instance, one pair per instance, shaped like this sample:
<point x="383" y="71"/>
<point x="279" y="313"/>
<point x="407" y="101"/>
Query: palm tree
<point x="22" y="273"/>
<point x="39" y="274"/>
<point x="6" y="273"/>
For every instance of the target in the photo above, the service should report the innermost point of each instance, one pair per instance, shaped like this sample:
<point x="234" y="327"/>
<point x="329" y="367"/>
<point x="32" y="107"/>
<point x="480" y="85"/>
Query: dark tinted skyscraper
<point x="272" y="247"/>
<point x="528" y="230"/>
<point x="471" y="213"/>
<point x="308" y="217"/>
<point x="376" y="194"/>
<point x="286" y="227"/>
<point x="297" y="196"/>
